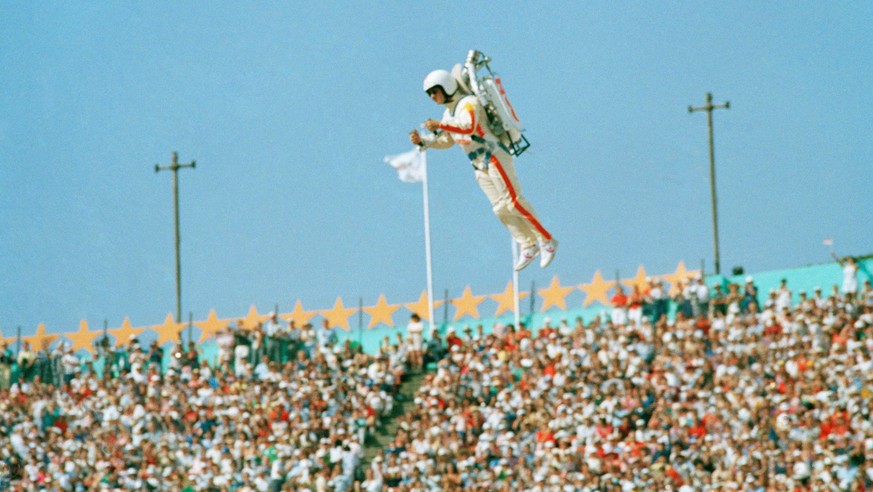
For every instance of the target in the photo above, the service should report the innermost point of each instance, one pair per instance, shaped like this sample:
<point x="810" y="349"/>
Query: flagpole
<point x="427" y="240"/>
<point x="515" y="295"/>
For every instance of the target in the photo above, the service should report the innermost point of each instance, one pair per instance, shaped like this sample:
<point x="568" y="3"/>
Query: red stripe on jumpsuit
<point x="459" y="130"/>
<point x="527" y="215"/>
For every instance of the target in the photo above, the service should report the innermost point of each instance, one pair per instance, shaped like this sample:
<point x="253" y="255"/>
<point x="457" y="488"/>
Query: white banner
<point x="409" y="165"/>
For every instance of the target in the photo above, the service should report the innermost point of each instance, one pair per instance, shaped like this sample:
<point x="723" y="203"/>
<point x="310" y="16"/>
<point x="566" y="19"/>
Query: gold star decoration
<point x="169" y="331"/>
<point x="381" y="312"/>
<point x="40" y="340"/>
<point x="338" y="315"/>
<point x="467" y="304"/>
<point x="419" y="307"/>
<point x="678" y="276"/>
<point x="298" y="316"/>
<point x="506" y="300"/>
<point x="639" y="280"/>
<point x="211" y="326"/>
<point x="125" y="332"/>
<point x="83" y="338"/>
<point x="554" y="294"/>
<point x="597" y="290"/>
<point x="252" y="319"/>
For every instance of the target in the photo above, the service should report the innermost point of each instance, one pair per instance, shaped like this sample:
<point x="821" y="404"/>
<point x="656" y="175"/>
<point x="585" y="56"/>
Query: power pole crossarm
<point x="175" y="166"/>
<point x="709" y="107"/>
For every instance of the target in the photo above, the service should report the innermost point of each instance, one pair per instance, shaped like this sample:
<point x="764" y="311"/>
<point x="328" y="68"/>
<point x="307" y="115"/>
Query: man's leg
<point x="498" y="197"/>
<point x="502" y="171"/>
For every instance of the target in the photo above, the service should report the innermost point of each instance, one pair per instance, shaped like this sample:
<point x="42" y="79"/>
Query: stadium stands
<point x="740" y="390"/>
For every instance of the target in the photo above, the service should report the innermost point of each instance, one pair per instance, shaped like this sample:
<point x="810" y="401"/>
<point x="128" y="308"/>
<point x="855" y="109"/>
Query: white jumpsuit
<point x="463" y="123"/>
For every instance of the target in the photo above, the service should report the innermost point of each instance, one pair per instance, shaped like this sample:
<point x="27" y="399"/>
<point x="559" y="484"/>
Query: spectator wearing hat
<point x="750" y="295"/>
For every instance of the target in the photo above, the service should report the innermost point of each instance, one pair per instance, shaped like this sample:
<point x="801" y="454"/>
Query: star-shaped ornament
<point x="420" y="306"/>
<point x="299" y="316"/>
<point x="506" y="299"/>
<point x="639" y="280"/>
<point x="211" y="326"/>
<point x="597" y="290"/>
<point x="169" y="330"/>
<point x="252" y="319"/>
<point x="381" y="312"/>
<point x="338" y="315"/>
<point x="38" y="341"/>
<point x="125" y="333"/>
<point x="676" y="278"/>
<point x="82" y="339"/>
<point x="554" y="294"/>
<point x="467" y="304"/>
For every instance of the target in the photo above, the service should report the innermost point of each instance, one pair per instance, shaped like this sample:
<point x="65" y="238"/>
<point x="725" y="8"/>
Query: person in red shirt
<point x="547" y="329"/>
<point x="840" y="423"/>
<point x="635" y="306"/>
<point x="279" y="413"/>
<point x="523" y="332"/>
<point x="619" y="306"/>
<point x="675" y="476"/>
<point x="604" y="428"/>
<point x="452" y="339"/>
<point x="545" y="434"/>
<point x="773" y="329"/>
<point x="698" y="430"/>
<point x="703" y="324"/>
<point x="550" y="370"/>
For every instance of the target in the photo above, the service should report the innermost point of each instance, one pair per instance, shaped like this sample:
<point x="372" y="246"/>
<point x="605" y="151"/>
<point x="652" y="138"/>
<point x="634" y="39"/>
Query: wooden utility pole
<point x="709" y="107"/>
<point x="175" y="166"/>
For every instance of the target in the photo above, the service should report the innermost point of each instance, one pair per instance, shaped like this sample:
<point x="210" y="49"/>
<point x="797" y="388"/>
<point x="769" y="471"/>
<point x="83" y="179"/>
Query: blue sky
<point x="289" y="108"/>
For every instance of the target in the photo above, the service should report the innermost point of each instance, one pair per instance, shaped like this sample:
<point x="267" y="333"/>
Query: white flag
<point x="828" y="242"/>
<point x="409" y="165"/>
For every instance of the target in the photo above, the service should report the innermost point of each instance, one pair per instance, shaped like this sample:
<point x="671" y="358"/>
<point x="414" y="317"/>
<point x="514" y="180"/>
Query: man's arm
<point x="463" y="122"/>
<point x="442" y="140"/>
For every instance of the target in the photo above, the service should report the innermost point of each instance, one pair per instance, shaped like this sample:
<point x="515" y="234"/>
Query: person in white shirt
<point x="372" y="482"/>
<point x="850" y="274"/>
<point x="275" y="330"/>
<point x="277" y="473"/>
<point x="262" y="370"/>
<point x="783" y="296"/>
<point x="70" y="364"/>
<point x="658" y="298"/>
<point x="702" y="292"/>
<point x="415" y="332"/>
<point x="818" y="299"/>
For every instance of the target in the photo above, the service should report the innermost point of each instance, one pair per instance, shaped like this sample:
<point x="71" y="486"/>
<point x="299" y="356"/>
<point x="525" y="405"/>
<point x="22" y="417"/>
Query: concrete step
<point x="403" y="404"/>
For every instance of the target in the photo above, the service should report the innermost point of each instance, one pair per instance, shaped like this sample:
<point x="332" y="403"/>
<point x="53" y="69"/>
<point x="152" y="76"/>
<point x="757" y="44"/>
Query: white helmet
<point x="443" y="79"/>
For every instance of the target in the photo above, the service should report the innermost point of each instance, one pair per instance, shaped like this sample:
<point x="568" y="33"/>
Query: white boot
<point x="526" y="255"/>
<point x="549" y="248"/>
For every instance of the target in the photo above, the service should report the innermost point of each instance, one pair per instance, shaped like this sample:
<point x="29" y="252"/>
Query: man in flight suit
<point x="464" y="123"/>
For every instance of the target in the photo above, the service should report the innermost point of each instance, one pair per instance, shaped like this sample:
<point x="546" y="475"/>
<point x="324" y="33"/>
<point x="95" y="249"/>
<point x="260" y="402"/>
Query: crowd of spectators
<point x="738" y="390"/>
<point x="281" y="408"/>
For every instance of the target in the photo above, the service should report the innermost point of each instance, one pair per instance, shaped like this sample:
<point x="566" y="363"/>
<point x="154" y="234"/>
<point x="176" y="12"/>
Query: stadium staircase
<point x="388" y="427"/>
